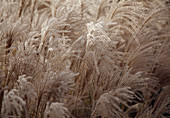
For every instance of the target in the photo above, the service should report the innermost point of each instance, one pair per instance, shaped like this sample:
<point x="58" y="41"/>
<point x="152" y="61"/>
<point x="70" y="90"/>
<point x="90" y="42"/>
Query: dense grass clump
<point x="84" y="58"/>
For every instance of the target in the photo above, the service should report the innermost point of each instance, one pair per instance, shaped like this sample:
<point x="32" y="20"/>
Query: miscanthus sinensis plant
<point x="84" y="58"/>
